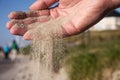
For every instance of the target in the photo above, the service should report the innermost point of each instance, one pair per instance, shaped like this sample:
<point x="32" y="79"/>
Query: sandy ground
<point x="19" y="69"/>
<point x="14" y="70"/>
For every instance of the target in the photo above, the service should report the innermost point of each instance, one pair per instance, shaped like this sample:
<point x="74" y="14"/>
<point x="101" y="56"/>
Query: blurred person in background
<point x="14" y="50"/>
<point x="1" y="49"/>
<point x="6" y="50"/>
<point x="1" y="52"/>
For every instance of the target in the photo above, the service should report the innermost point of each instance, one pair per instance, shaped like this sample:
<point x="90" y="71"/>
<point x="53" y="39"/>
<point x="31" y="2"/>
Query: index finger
<point x="23" y="15"/>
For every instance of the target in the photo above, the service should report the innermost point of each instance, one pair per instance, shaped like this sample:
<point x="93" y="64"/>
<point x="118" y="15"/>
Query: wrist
<point x="116" y="3"/>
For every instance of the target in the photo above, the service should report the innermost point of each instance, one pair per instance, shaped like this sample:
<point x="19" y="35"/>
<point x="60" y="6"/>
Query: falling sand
<point x="47" y="51"/>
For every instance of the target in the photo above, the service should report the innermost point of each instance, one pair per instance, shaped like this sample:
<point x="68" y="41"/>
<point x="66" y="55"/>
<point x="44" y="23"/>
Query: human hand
<point x="79" y="14"/>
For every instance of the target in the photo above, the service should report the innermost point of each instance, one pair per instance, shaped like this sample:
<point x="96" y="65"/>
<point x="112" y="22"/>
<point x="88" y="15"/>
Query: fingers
<point x="17" y="15"/>
<point x="15" y="30"/>
<point x="20" y="27"/>
<point x="29" y="35"/>
<point x="27" y="21"/>
<point x="42" y="4"/>
<point x="23" y="15"/>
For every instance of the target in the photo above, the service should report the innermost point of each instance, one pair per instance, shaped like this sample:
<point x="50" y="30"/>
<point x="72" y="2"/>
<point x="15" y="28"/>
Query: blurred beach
<point x="15" y="70"/>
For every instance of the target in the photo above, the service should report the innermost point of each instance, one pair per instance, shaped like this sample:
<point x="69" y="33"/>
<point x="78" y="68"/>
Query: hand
<point x="79" y="15"/>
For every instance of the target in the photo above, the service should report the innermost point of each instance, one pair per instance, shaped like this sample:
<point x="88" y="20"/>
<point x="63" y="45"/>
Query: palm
<point x="80" y="14"/>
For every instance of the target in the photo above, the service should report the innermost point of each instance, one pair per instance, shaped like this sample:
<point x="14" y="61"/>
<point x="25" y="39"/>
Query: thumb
<point x="42" y="4"/>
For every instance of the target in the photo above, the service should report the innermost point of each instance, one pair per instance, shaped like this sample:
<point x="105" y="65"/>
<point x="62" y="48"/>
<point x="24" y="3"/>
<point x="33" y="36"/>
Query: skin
<point x="81" y="14"/>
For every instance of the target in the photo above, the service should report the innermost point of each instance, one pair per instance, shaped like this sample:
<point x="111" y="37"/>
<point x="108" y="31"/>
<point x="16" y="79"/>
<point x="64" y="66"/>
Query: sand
<point x="47" y="51"/>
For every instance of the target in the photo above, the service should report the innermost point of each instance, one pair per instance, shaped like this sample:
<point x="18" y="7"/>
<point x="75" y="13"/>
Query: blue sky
<point x="6" y="6"/>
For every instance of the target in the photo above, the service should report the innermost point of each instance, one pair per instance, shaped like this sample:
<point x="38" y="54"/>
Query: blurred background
<point x="92" y="55"/>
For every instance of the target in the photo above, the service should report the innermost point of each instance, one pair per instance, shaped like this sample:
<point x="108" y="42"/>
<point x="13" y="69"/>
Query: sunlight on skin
<point x="79" y="15"/>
